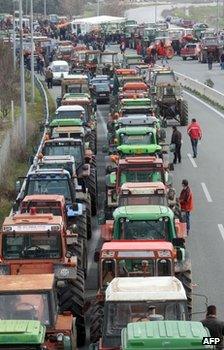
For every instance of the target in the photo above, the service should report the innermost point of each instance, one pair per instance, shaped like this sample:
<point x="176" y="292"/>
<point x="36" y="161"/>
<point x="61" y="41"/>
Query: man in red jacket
<point x="195" y="133"/>
<point x="186" y="202"/>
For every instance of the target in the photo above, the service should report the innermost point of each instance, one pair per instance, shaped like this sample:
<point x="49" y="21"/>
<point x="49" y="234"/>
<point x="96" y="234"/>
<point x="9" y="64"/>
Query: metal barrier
<point x="204" y="90"/>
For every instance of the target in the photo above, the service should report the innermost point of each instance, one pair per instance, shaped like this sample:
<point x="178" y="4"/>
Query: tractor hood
<point x="139" y="149"/>
<point x="21" y="332"/>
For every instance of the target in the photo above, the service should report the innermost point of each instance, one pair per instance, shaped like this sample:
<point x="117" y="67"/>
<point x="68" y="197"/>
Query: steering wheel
<point x="37" y="251"/>
<point x="26" y="305"/>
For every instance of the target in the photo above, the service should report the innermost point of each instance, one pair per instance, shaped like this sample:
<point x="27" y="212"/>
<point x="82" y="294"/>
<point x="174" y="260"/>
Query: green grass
<point x="18" y="167"/>
<point x="206" y="14"/>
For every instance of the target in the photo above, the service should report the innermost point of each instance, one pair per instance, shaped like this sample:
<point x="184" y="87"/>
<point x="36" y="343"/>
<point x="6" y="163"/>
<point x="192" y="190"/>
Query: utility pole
<point x="217" y="16"/>
<point x="155" y="11"/>
<point x="32" y="52"/>
<point x="22" y="78"/>
<point x="14" y="38"/>
<point x="45" y="9"/>
<point x="98" y="8"/>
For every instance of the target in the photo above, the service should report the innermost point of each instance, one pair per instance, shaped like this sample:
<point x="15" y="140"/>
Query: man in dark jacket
<point x="176" y="139"/>
<point x="214" y="325"/>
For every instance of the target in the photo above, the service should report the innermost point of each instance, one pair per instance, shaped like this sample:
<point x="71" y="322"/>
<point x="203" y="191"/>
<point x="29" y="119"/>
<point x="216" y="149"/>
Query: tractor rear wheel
<point x="183" y="113"/>
<point x="96" y="322"/>
<point x="71" y="298"/>
<point x="91" y="138"/>
<point x="89" y="217"/>
<point x="185" y="278"/>
<point x="80" y="251"/>
<point x="91" y="183"/>
<point x="81" y="223"/>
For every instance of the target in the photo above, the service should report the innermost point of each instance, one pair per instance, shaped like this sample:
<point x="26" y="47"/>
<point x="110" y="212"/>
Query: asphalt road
<point x="206" y="239"/>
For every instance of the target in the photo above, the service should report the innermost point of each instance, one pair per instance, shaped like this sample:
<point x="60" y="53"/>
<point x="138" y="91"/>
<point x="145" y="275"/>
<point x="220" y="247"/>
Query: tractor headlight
<point x="4" y="270"/>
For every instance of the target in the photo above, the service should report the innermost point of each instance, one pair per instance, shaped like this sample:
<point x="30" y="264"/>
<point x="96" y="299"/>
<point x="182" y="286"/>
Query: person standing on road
<point x="186" y="202"/>
<point x="49" y="78"/>
<point x="176" y="139"/>
<point x="214" y="325"/>
<point x="222" y="60"/>
<point x="210" y="60"/>
<point x="195" y="133"/>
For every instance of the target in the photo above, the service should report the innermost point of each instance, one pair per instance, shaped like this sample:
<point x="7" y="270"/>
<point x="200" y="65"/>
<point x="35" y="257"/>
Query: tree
<point x="113" y="8"/>
<point x="8" y="86"/>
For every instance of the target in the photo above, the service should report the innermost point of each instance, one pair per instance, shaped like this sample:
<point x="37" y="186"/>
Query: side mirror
<point x="96" y="256"/>
<point x="101" y="218"/>
<point x="75" y="206"/>
<point x="180" y="254"/>
<point x="18" y="186"/>
<point x="58" y="101"/>
<point x="31" y="159"/>
<point x="178" y="242"/>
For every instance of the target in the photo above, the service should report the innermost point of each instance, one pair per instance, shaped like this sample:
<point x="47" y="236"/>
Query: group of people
<point x="210" y="60"/>
<point x="186" y="197"/>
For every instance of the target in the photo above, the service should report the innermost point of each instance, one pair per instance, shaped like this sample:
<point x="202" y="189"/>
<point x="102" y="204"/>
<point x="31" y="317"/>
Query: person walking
<point x="195" y="134"/>
<point x="176" y="139"/>
<point x="214" y="325"/>
<point x="186" y="202"/>
<point x="222" y="61"/>
<point x="122" y="47"/>
<point x="210" y="60"/>
<point x="49" y="78"/>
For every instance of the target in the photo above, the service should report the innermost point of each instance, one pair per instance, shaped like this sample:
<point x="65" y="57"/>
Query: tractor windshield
<point x="38" y="185"/>
<point x="145" y="229"/>
<point x="154" y="199"/>
<point x="63" y="149"/>
<point x="17" y="306"/>
<point x="136" y="175"/>
<point x="119" y="314"/>
<point x="46" y="245"/>
<point x="71" y="115"/>
<point x="69" y="166"/>
<point x="137" y="139"/>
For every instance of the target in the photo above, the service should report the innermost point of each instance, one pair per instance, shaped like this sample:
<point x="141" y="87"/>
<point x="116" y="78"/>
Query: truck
<point x="27" y="299"/>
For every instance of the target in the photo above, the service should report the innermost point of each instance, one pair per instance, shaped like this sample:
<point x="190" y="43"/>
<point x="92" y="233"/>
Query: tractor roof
<point x="139" y="149"/>
<point x="66" y="122"/>
<point x="125" y="71"/>
<point x="70" y="129"/>
<point x="138" y="130"/>
<point x="132" y="56"/>
<point x="57" y="159"/>
<point x="69" y="108"/>
<point x="135" y="86"/>
<point x="145" y="289"/>
<point x="137" y="246"/>
<point x="77" y="99"/>
<point x="143" y="212"/>
<point x="45" y="198"/>
<point x="75" y="78"/>
<point x="136" y="102"/>
<point x="63" y="140"/>
<point x="20" y="332"/>
<point x="179" y="335"/>
<point x="26" y="283"/>
<point x="137" y="119"/>
<point x="31" y="222"/>
<point x="135" y="188"/>
<point x="141" y="160"/>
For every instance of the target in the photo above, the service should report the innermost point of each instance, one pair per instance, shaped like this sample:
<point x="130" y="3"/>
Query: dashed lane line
<point x="221" y="230"/>
<point x="207" y="194"/>
<point x="192" y="160"/>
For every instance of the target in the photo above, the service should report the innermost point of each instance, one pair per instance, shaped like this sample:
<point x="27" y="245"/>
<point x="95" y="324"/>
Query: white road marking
<point x="192" y="160"/>
<point x="102" y="121"/>
<point x="205" y="104"/>
<point x="207" y="194"/>
<point x="221" y="229"/>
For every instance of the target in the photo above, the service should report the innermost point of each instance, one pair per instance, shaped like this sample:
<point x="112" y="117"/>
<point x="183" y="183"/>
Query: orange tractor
<point x="134" y="90"/>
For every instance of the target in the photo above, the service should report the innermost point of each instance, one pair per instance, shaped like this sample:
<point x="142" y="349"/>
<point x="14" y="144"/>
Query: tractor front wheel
<point x="96" y="322"/>
<point x="91" y="183"/>
<point x="183" y="113"/>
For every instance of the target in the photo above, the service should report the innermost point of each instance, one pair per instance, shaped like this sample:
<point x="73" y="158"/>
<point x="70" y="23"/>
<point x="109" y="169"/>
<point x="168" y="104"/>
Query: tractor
<point x="153" y="335"/>
<point x="85" y="163"/>
<point x="150" y="223"/>
<point x="210" y="45"/>
<point x="168" y="97"/>
<point x="136" y="299"/>
<point x="131" y="60"/>
<point x="134" y="90"/>
<point x="132" y="169"/>
<point x="27" y="299"/>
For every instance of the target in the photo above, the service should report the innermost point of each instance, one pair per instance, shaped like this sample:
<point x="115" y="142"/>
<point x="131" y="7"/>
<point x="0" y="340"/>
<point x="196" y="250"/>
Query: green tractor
<point x="168" y="97"/>
<point x="149" y="223"/>
<point x="177" y="335"/>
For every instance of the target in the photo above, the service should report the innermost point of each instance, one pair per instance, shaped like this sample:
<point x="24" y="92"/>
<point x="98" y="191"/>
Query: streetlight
<point x="32" y="52"/>
<point x="45" y="9"/>
<point x="22" y="77"/>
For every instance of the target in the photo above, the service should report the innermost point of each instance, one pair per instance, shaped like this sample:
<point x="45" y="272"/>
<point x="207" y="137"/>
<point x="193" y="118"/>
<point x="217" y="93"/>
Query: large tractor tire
<point x="89" y="217"/>
<point x="185" y="278"/>
<point x="81" y="223"/>
<point x="92" y="139"/>
<point x="91" y="184"/>
<point x="96" y="323"/>
<point x="80" y="251"/>
<point x="183" y="113"/>
<point x="71" y="298"/>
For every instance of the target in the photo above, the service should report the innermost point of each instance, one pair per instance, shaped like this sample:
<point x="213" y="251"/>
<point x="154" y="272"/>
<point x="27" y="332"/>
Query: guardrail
<point x="202" y="89"/>
<point x="43" y="93"/>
